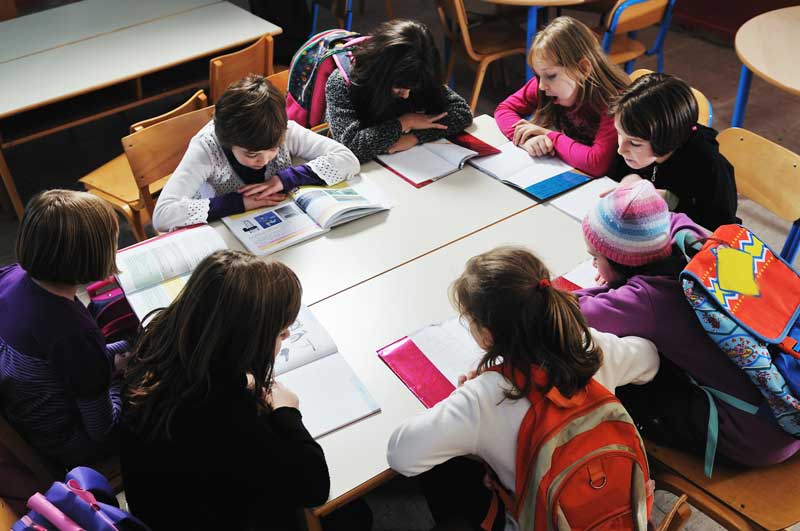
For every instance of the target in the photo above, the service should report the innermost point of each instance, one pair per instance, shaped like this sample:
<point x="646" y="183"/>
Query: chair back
<point x="197" y="101"/>
<point x="633" y="15"/>
<point x="705" y="112"/>
<point x="766" y="173"/>
<point x="155" y="152"/>
<point x="229" y="68"/>
<point x="455" y="24"/>
<point x="280" y="81"/>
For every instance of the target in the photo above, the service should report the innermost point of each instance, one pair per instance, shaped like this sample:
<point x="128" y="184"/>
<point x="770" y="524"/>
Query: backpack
<point x="111" y="310"/>
<point x="310" y="68"/>
<point x="747" y="299"/>
<point x="85" y="501"/>
<point x="580" y="463"/>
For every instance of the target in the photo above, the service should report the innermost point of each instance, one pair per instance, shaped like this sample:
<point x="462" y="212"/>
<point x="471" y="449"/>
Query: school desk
<point x="76" y="63"/>
<point x="766" y="45"/>
<point x="385" y="308"/>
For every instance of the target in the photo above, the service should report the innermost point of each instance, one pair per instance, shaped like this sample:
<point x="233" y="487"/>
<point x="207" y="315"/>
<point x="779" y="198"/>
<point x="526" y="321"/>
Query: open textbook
<point x="310" y="211"/>
<point x="430" y="360"/>
<point x="578" y="202"/>
<point x="309" y="363"/>
<point x="153" y="272"/>
<point x="425" y="163"/>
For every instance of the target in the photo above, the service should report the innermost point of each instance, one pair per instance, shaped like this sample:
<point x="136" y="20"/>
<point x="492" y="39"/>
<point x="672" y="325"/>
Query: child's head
<point x="399" y="61"/>
<point x="520" y="319"/>
<point x="627" y="229"/>
<point x="653" y="117"/>
<point x="227" y="323"/>
<point x="68" y="237"/>
<point x="572" y="70"/>
<point x="250" y="120"/>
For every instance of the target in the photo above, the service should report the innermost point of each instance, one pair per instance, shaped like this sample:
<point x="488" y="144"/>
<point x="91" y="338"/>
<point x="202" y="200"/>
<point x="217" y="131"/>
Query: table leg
<point x="741" y="97"/>
<point x="11" y="188"/>
<point x="533" y="21"/>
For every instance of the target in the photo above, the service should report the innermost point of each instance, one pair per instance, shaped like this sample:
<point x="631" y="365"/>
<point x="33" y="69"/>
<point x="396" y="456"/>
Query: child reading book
<point x="242" y="159"/>
<point x="660" y="140"/>
<point x="569" y="98"/>
<point x="57" y="375"/>
<point x="529" y="329"/>
<point x="394" y="98"/>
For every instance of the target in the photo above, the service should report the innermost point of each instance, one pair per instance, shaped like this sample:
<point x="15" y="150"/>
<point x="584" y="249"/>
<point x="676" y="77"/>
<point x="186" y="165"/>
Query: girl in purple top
<point x="631" y="236"/>
<point x="58" y="383"/>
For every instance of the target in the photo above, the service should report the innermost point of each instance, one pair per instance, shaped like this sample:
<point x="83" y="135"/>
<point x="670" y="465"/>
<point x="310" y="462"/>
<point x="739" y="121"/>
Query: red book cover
<point x="415" y="370"/>
<point x="564" y="284"/>
<point x="474" y="143"/>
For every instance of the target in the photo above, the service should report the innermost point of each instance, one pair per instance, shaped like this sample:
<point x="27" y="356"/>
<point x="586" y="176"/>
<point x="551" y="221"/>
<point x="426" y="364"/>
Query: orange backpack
<point x="581" y="463"/>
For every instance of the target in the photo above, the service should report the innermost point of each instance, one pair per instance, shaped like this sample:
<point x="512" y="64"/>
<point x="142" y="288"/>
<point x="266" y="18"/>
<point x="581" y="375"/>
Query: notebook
<point x="309" y="212"/>
<point x="577" y="203"/>
<point x="582" y="276"/>
<point x="331" y="394"/>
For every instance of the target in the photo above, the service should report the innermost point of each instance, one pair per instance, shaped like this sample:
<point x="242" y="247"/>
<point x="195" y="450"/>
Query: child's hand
<point x="121" y="362"/>
<point x="403" y="143"/>
<point x="462" y="378"/>
<point x="280" y="396"/>
<point x="539" y="146"/>
<point x="630" y="179"/>
<point x="273" y="185"/>
<point x="412" y="120"/>
<point x="599" y="280"/>
<point x="524" y="130"/>
<point x="260" y="201"/>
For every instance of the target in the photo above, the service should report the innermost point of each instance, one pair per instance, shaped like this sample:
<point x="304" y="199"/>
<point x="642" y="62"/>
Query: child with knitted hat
<point x="631" y="234"/>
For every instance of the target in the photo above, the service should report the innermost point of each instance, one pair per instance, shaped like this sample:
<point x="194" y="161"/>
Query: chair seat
<point x="623" y="48"/>
<point x="115" y="180"/>
<point x="498" y="36"/>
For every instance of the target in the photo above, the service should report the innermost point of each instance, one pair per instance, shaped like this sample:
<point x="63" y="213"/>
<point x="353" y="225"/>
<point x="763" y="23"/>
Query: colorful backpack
<point x="310" y="68"/>
<point x="580" y="464"/>
<point x="84" y="502"/>
<point x="747" y="299"/>
<point x="111" y="310"/>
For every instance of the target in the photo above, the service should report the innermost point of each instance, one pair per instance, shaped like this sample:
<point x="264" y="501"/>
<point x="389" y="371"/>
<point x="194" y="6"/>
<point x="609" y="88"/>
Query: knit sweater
<point x="205" y="172"/>
<point x="654" y="307"/>
<point x="368" y="141"/>
<point x="594" y="158"/>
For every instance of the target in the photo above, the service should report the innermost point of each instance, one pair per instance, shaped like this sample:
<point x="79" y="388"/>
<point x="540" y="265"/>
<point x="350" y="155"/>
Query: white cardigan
<point x="205" y="172"/>
<point x="476" y="419"/>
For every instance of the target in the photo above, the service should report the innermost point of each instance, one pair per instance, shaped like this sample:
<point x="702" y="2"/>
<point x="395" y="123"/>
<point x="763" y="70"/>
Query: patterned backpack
<point x="580" y="464"/>
<point x="310" y="68"/>
<point x="747" y="299"/>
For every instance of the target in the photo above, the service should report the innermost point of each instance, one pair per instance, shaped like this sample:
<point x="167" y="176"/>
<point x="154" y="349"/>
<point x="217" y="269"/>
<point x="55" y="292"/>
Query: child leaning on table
<point x="242" y="159"/>
<point x="569" y="96"/>
<point x="523" y="323"/>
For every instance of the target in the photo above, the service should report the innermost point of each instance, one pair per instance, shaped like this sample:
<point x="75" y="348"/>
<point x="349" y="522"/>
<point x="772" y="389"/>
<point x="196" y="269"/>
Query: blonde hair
<point x="567" y="42"/>
<point x="68" y="237"/>
<point x="531" y="322"/>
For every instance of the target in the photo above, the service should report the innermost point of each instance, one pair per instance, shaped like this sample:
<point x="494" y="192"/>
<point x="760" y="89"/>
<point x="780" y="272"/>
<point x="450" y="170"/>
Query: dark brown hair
<point x="68" y="237"/>
<point x="222" y="327"/>
<point x="250" y="114"/>
<point x="530" y="324"/>
<point x="658" y="108"/>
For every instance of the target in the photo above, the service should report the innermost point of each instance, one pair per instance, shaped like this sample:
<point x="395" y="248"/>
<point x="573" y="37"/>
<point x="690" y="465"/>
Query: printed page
<point x="418" y="164"/>
<point x="450" y="347"/>
<point x="331" y="394"/>
<point x="267" y="230"/>
<point x="454" y="154"/>
<point x="345" y="201"/>
<point x="576" y="203"/>
<point x="308" y="341"/>
<point x="516" y="167"/>
<point x="583" y="274"/>
<point x="166" y="257"/>
<point x="159" y="296"/>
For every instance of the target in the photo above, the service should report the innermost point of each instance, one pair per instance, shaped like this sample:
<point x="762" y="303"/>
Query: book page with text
<point x="450" y="347"/>
<point x="418" y="164"/>
<point x="161" y="295"/>
<point x="267" y="230"/>
<point x="576" y="203"/>
<point x="329" y="205"/>
<point x="452" y="153"/>
<point x="307" y="341"/>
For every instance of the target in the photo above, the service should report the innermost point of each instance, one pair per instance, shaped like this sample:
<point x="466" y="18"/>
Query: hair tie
<point x="544" y="283"/>
<point x="694" y="128"/>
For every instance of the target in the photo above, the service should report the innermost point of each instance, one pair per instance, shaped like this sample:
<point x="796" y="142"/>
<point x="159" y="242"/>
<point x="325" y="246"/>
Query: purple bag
<point x="76" y="505"/>
<point x="110" y="309"/>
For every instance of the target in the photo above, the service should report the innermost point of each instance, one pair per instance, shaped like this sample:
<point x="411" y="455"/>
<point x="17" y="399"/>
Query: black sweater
<point x="698" y="174"/>
<point x="226" y="467"/>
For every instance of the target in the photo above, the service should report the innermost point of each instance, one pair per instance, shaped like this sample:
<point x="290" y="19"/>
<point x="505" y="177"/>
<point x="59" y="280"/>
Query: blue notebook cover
<point x="555" y="185"/>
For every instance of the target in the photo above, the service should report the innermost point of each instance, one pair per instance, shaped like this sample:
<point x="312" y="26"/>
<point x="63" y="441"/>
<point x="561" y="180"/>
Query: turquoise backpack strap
<point x="686" y="240"/>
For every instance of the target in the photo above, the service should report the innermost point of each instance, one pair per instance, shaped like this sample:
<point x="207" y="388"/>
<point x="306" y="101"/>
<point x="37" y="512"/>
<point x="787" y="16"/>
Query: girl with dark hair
<point x="395" y="98"/>
<point x="522" y="323"/>
<point x="631" y="235"/>
<point x="660" y="140"/>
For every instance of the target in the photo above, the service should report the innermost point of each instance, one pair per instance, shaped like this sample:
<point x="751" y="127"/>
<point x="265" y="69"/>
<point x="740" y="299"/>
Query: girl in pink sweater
<point x="568" y="97"/>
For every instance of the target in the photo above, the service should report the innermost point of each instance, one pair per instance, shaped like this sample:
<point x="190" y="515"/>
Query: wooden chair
<point x="8" y="9"/>
<point x="736" y="498"/>
<point x="155" y="152"/>
<point x="629" y="16"/>
<point x="482" y="44"/>
<point x="226" y="69"/>
<point x="677" y="517"/>
<point x="114" y="182"/>
<point x="7" y="515"/>
<point x="342" y="10"/>
<point x="705" y="113"/>
<point x="769" y="175"/>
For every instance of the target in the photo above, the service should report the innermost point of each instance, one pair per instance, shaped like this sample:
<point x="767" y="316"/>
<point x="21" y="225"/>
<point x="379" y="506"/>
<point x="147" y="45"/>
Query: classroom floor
<point x="59" y="160"/>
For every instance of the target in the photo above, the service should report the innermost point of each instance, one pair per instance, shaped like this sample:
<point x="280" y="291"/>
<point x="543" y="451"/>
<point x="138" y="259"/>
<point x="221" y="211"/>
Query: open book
<point x="584" y="275"/>
<point x="153" y="272"/>
<point x="577" y="203"/>
<point x="309" y="363"/>
<point x="430" y="360"/>
<point x="427" y="162"/>
<point x="310" y="211"/>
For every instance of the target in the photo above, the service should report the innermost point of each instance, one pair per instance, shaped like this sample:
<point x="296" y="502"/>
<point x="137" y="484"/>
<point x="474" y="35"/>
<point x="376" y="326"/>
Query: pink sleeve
<point x="519" y="105"/>
<point x="595" y="159"/>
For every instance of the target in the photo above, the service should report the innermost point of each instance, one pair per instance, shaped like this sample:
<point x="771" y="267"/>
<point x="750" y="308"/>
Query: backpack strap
<point x="344" y="65"/>
<point x="688" y="243"/>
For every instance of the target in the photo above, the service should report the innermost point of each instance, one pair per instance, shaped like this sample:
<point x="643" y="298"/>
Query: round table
<point x="766" y="45"/>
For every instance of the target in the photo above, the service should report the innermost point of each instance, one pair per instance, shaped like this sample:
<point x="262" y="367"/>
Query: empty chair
<point x="226" y="69"/>
<point x="341" y="9"/>
<point x="625" y="19"/>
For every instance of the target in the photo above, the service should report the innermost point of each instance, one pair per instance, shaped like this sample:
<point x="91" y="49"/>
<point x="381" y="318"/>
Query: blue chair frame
<point x="658" y="45"/>
<point x="348" y="13"/>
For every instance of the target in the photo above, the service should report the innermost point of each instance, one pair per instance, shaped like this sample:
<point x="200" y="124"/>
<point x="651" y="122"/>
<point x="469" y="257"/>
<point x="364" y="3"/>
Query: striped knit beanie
<point x="630" y="225"/>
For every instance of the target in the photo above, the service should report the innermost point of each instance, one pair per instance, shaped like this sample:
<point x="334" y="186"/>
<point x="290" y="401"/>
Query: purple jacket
<point x="654" y="307"/>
